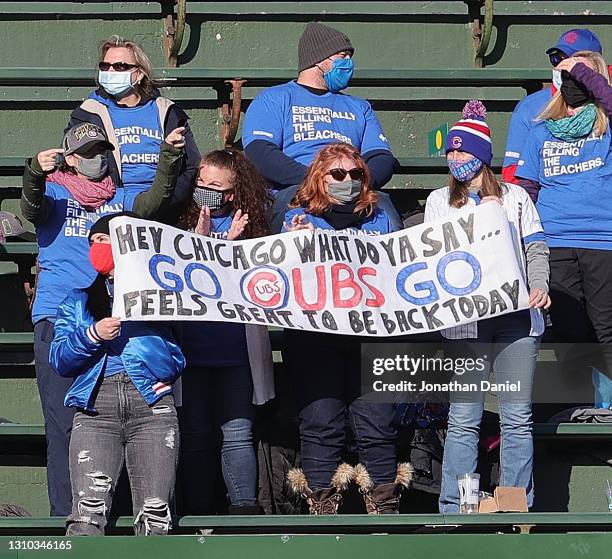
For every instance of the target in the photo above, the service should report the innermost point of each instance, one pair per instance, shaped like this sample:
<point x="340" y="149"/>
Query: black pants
<point x="217" y="401"/>
<point x="58" y="421"/>
<point x="326" y="373"/>
<point x="581" y="294"/>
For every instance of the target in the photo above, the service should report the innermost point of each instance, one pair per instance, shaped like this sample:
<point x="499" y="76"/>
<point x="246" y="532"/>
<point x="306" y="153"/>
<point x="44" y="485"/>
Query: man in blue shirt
<point x="530" y="107"/>
<point x="286" y="125"/>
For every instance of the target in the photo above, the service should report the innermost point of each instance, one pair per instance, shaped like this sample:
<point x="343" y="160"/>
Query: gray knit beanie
<point x="319" y="42"/>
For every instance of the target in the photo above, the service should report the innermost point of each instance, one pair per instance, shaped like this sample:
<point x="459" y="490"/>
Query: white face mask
<point x="556" y="79"/>
<point x="115" y="83"/>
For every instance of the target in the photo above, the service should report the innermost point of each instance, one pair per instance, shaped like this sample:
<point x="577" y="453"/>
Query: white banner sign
<point x="425" y="278"/>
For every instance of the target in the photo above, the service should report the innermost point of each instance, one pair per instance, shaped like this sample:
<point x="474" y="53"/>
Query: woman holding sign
<point x="123" y="375"/>
<point x="325" y="368"/>
<point x="229" y="365"/>
<point x="516" y="336"/>
<point x="567" y="168"/>
<point x="65" y="191"/>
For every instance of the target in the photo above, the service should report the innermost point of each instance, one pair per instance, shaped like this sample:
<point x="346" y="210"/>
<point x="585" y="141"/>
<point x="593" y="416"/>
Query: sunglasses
<point x="556" y="57"/>
<point x="339" y="174"/>
<point x="117" y="66"/>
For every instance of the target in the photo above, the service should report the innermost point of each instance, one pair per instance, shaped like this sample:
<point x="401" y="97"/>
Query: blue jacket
<point x="152" y="358"/>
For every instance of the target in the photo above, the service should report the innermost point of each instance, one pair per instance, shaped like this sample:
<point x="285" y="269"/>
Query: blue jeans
<point x="58" y="420"/>
<point x="326" y="375"/>
<point x="217" y="401"/>
<point x="514" y="359"/>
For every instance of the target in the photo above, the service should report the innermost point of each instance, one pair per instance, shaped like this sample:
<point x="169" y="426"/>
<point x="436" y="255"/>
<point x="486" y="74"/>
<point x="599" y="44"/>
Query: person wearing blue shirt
<point x="125" y="412"/>
<point x="325" y="368"/>
<point x="65" y="191"/>
<point x="287" y="125"/>
<point x="229" y="365"/>
<point x="136" y="119"/>
<point x="524" y="115"/>
<point x="567" y="167"/>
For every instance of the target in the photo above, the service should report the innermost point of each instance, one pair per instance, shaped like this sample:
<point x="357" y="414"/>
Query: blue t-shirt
<point x="376" y="224"/>
<point x="139" y="135"/>
<point x="63" y="254"/>
<point x="215" y="344"/>
<point x="300" y="122"/>
<point x="576" y="179"/>
<point x="521" y="122"/>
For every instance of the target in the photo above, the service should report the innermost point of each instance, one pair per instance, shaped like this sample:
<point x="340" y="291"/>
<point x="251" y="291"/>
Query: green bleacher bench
<point x="363" y="77"/>
<point x="563" y="432"/>
<point x="13" y="166"/>
<point x="17" y="250"/>
<point x="14" y="341"/>
<point x="18" y="430"/>
<point x="345" y="524"/>
<point x="10" y="165"/>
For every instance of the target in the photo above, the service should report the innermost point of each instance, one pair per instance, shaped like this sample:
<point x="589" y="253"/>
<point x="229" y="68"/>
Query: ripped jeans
<point x="124" y="429"/>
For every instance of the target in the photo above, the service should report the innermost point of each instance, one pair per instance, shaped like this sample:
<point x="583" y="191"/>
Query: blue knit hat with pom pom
<point x="471" y="134"/>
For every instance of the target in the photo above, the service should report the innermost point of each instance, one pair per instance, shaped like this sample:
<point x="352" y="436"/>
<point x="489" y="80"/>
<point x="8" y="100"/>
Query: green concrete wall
<point x="386" y="35"/>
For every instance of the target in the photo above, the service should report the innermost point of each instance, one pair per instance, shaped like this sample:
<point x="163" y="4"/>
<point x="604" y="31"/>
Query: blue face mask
<point x="115" y="83"/>
<point x="464" y="171"/>
<point x="340" y="74"/>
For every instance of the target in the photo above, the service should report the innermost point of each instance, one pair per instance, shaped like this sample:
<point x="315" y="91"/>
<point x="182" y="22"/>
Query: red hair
<point x="313" y="194"/>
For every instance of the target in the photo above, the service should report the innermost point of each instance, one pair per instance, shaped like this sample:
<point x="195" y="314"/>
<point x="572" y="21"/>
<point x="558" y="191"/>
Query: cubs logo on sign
<point x="265" y="286"/>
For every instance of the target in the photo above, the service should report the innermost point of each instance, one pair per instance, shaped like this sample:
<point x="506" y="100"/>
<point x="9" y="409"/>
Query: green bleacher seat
<point x="346" y="524"/>
<point x="563" y="432"/>
<point x="364" y="77"/>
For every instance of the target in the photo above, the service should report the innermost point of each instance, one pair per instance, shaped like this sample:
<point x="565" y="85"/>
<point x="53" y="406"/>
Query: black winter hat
<point x="319" y="42"/>
<point x="103" y="224"/>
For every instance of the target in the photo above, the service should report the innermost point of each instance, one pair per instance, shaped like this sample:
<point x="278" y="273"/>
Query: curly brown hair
<point x="313" y="195"/>
<point x="251" y="193"/>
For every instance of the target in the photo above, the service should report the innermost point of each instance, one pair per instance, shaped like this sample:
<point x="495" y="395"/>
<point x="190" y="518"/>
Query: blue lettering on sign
<point x="463" y="257"/>
<point x="197" y="266"/>
<point x="429" y="287"/>
<point x="400" y="284"/>
<point x="177" y="282"/>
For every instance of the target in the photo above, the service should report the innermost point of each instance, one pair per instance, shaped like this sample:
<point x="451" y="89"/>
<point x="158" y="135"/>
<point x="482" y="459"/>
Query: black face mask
<point x="573" y="92"/>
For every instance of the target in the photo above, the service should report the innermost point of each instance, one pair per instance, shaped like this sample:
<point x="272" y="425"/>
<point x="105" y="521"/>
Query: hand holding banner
<point x="432" y="276"/>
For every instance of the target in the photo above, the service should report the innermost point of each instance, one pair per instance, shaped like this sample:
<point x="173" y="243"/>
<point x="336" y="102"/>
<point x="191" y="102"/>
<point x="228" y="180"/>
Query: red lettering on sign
<point x="347" y="283"/>
<point x="379" y="298"/>
<point x="319" y="304"/>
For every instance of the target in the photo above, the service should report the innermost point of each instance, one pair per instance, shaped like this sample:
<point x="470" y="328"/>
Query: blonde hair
<point x="557" y="107"/>
<point x="146" y="86"/>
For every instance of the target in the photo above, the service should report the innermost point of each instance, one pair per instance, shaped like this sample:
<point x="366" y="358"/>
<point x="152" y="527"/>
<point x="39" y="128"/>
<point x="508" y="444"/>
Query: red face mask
<point x="101" y="256"/>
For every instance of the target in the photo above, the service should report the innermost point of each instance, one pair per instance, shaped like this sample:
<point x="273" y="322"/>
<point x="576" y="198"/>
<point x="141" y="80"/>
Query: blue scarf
<point x="572" y="128"/>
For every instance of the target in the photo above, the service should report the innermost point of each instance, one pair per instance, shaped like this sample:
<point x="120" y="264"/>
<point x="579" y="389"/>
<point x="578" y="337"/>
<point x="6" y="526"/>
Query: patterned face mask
<point x="465" y="171"/>
<point x="209" y="197"/>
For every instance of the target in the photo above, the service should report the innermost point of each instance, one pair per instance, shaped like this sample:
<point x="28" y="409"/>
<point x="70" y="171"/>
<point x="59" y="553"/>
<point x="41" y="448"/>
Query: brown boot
<point x="384" y="498"/>
<point x="321" y="501"/>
